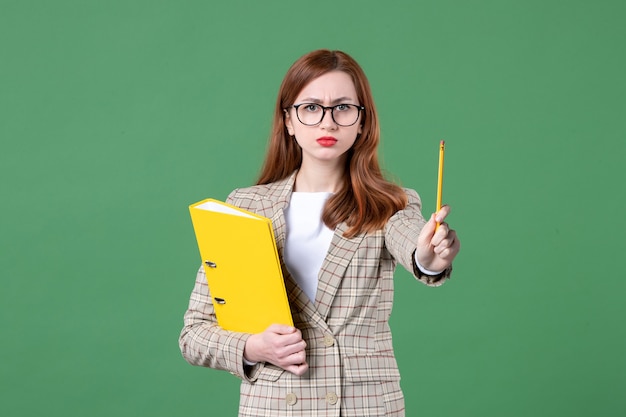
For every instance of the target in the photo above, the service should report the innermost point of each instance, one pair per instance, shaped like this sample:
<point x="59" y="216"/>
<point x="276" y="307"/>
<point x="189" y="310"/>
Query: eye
<point x="311" y="107"/>
<point x="342" y="107"/>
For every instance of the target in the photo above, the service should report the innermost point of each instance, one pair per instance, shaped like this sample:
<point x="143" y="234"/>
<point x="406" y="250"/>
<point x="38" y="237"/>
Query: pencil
<point x="442" y="148"/>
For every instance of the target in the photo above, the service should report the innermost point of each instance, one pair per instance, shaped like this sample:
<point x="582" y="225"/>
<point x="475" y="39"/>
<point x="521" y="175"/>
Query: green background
<point x="116" y="115"/>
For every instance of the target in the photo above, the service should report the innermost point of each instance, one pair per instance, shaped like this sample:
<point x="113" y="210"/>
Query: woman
<point x="340" y="229"/>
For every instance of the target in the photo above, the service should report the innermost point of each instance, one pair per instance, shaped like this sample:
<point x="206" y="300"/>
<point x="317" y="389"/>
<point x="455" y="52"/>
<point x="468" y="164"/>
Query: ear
<point x="288" y="123"/>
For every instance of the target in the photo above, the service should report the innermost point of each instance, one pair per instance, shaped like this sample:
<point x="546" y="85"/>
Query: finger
<point x="297" y="369"/>
<point x="294" y="338"/>
<point x="455" y="246"/>
<point x="449" y="247"/>
<point x="427" y="232"/>
<point x="295" y="358"/>
<point x="445" y="241"/>
<point x="286" y="351"/>
<point x="443" y="212"/>
<point x="447" y="254"/>
<point x="440" y="235"/>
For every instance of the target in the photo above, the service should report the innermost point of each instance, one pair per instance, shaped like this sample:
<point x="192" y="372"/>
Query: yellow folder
<point x="240" y="258"/>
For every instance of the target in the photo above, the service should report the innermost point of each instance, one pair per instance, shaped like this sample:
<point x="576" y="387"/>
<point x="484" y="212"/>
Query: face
<point x="326" y="142"/>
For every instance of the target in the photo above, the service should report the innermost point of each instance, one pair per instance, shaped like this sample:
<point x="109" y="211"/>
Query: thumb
<point x="280" y="329"/>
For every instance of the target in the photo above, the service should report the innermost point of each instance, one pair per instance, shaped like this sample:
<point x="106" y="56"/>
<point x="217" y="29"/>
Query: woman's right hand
<point x="280" y="345"/>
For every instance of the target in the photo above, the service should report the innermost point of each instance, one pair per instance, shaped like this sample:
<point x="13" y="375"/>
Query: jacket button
<point x="291" y="398"/>
<point x="328" y="340"/>
<point x="331" y="398"/>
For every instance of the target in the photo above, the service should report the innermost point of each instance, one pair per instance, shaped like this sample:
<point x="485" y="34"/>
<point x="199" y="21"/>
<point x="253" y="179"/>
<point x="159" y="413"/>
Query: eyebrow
<point x="339" y="100"/>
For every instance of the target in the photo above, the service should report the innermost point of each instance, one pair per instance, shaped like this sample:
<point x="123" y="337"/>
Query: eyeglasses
<point x="311" y="114"/>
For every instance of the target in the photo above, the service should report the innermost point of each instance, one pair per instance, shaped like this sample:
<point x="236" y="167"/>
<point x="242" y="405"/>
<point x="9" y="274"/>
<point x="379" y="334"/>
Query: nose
<point x="327" y="119"/>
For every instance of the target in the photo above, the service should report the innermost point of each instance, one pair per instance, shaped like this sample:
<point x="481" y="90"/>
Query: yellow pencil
<point x="442" y="148"/>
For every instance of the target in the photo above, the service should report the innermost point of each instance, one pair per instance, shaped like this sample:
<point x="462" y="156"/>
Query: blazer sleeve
<point x="401" y="232"/>
<point x="204" y="343"/>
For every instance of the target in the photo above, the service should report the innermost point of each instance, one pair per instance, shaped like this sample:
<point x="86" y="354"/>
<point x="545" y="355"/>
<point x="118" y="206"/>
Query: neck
<point x="319" y="178"/>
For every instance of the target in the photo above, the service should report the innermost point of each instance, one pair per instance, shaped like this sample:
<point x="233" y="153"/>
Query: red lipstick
<point x="326" y="141"/>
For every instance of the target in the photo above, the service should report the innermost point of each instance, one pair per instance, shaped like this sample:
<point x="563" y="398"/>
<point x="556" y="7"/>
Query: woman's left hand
<point x="436" y="249"/>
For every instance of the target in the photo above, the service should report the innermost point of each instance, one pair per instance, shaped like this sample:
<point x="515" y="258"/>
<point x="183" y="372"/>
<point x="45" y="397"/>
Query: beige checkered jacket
<point x="352" y="368"/>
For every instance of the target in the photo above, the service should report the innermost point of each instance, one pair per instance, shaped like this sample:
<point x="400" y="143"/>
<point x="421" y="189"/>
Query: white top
<point x="307" y="240"/>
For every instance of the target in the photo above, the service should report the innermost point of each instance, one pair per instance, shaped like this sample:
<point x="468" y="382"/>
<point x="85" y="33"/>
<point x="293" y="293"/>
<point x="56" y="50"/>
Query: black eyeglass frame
<point x="332" y="112"/>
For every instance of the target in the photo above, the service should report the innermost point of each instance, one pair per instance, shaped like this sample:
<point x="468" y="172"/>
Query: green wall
<point x="116" y="115"/>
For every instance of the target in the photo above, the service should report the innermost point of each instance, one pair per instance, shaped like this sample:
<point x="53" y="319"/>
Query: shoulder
<point x="258" y="197"/>
<point x="253" y="192"/>
<point x="413" y="197"/>
<point x="249" y="196"/>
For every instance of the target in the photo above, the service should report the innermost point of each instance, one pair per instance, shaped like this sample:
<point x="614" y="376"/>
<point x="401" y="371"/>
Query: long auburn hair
<point x="366" y="200"/>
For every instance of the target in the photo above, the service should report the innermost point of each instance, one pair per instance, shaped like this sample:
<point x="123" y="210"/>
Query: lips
<point x="327" y="141"/>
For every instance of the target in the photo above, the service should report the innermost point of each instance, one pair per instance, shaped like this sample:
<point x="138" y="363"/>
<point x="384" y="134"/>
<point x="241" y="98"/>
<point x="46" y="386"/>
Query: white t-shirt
<point x="308" y="239"/>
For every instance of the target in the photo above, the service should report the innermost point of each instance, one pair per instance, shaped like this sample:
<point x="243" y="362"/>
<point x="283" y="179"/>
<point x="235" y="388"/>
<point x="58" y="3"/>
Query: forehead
<point x="329" y="87"/>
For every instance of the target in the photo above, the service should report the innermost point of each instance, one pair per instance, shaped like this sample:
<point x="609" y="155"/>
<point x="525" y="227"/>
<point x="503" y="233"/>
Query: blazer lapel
<point x="283" y="190"/>
<point x="298" y="300"/>
<point x="339" y="256"/>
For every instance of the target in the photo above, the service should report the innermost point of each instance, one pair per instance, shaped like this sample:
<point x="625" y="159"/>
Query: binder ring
<point x="210" y="264"/>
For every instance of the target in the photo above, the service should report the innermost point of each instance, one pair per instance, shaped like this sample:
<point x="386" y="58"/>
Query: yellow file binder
<point x="242" y="267"/>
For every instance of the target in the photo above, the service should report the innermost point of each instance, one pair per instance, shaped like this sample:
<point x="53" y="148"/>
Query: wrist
<point x="424" y="270"/>
<point x="250" y="356"/>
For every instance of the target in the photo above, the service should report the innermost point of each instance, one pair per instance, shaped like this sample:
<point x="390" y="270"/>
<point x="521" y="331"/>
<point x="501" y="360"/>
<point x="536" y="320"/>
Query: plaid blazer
<point x="352" y="368"/>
